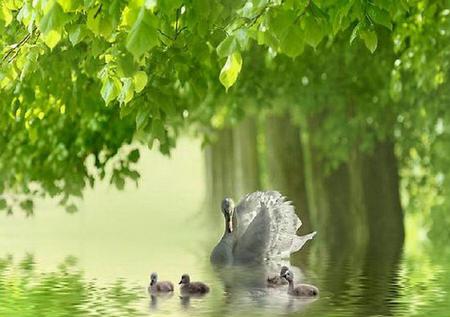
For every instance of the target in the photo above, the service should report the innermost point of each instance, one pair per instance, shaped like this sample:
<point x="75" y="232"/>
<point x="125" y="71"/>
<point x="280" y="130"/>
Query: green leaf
<point x="5" y="14"/>
<point x="100" y="24"/>
<point x="227" y="47"/>
<point x="3" y="203"/>
<point x="355" y="32"/>
<point x="77" y="32"/>
<point x="279" y="22"/>
<point x="71" y="209"/>
<point x="313" y="31"/>
<point x="143" y="35"/>
<point x="127" y="91"/>
<point x="142" y="117"/>
<point x="110" y="89"/>
<point x="27" y="205"/>
<point x="140" y="80"/>
<point x="380" y="16"/>
<point x="119" y="181"/>
<point x="51" y="38"/>
<point x="70" y="5"/>
<point x="230" y="71"/>
<point x="51" y="25"/>
<point x="370" y="39"/>
<point x="293" y="44"/>
<point x="158" y="130"/>
<point x="134" y="155"/>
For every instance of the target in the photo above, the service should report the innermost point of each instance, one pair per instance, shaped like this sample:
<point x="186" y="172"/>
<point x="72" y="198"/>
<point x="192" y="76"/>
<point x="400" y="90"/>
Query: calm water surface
<point x="97" y="262"/>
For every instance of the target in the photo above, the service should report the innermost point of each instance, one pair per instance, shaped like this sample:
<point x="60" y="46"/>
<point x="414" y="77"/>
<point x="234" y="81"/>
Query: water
<point x="97" y="262"/>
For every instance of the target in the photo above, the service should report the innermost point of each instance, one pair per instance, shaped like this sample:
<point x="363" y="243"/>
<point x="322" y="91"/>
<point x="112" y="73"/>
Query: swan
<point x="262" y="227"/>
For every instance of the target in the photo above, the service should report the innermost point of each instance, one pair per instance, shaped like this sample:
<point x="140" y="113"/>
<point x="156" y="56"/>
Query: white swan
<point x="262" y="227"/>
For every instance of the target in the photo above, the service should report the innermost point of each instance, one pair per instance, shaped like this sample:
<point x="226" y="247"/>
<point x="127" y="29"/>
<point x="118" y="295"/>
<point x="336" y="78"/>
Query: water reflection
<point x="379" y="276"/>
<point x="24" y="291"/>
<point x="157" y="299"/>
<point x="416" y="286"/>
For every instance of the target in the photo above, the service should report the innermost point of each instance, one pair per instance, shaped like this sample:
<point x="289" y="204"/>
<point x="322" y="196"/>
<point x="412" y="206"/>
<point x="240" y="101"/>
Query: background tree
<point x="364" y="81"/>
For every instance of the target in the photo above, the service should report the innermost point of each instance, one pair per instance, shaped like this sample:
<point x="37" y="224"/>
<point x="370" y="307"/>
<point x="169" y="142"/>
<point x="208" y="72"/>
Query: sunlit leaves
<point x="143" y="35"/>
<point x="5" y="14"/>
<point x="77" y="32"/>
<point x="230" y="71"/>
<point x="160" y="65"/>
<point x="70" y="5"/>
<point x="51" y="25"/>
<point x="104" y="18"/>
<point x="111" y="89"/>
<point x="126" y="92"/>
<point x="140" y="81"/>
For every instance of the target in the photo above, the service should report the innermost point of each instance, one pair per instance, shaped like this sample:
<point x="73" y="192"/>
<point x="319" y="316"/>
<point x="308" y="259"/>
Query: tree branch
<point x="303" y="12"/>
<point x="15" y="48"/>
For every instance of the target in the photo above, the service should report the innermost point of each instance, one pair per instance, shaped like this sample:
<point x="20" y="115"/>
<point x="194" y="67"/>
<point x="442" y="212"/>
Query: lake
<point x="97" y="262"/>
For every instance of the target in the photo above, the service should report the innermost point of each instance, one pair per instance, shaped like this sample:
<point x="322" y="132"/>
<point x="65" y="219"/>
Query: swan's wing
<point x="283" y="227"/>
<point x="259" y="210"/>
<point x="252" y="245"/>
<point x="250" y="205"/>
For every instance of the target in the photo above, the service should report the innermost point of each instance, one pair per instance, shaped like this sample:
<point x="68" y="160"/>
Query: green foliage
<point x="80" y="79"/>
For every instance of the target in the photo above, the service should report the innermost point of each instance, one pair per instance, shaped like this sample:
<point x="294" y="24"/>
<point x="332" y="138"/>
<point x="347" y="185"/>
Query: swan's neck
<point x="291" y="286"/>
<point x="234" y="224"/>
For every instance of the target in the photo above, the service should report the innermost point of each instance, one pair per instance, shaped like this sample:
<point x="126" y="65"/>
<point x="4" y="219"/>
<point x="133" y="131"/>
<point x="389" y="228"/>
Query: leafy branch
<point x="308" y="5"/>
<point x="253" y="20"/>
<point x="15" y="48"/>
<point x="178" y="30"/>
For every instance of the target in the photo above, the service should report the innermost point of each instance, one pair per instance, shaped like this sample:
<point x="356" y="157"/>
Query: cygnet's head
<point x="185" y="279"/>
<point x="288" y="275"/>
<point x="153" y="278"/>
<point x="284" y="269"/>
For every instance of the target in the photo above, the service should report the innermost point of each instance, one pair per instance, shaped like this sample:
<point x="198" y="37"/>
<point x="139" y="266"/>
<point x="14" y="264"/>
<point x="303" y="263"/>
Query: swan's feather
<point x="250" y="205"/>
<point x="254" y="241"/>
<point x="267" y="226"/>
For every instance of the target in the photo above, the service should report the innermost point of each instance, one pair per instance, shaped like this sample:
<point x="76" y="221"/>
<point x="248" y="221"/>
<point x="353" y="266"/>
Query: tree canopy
<point x="80" y="79"/>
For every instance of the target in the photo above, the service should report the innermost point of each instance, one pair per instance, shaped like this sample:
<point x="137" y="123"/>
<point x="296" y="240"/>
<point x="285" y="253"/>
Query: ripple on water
<point x="406" y="291"/>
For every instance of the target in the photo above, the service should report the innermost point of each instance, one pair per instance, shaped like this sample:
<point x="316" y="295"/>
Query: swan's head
<point x="288" y="275"/>
<point x="283" y="271"/>
<point x="185" y="279"/>
<point x="228" y="210"/>
<point x="153" y="278"/>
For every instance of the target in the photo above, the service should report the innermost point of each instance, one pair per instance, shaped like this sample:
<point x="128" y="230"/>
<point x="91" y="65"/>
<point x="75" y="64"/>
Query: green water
<point x="97" y="262"/>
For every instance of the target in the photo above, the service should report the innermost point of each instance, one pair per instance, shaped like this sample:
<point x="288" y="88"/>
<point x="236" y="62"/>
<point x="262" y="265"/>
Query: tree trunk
<point x="356" y="210"/>
<point x="285" y="163"/>
<point x="247" y="178"/>
<point x="232" y="163"/>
